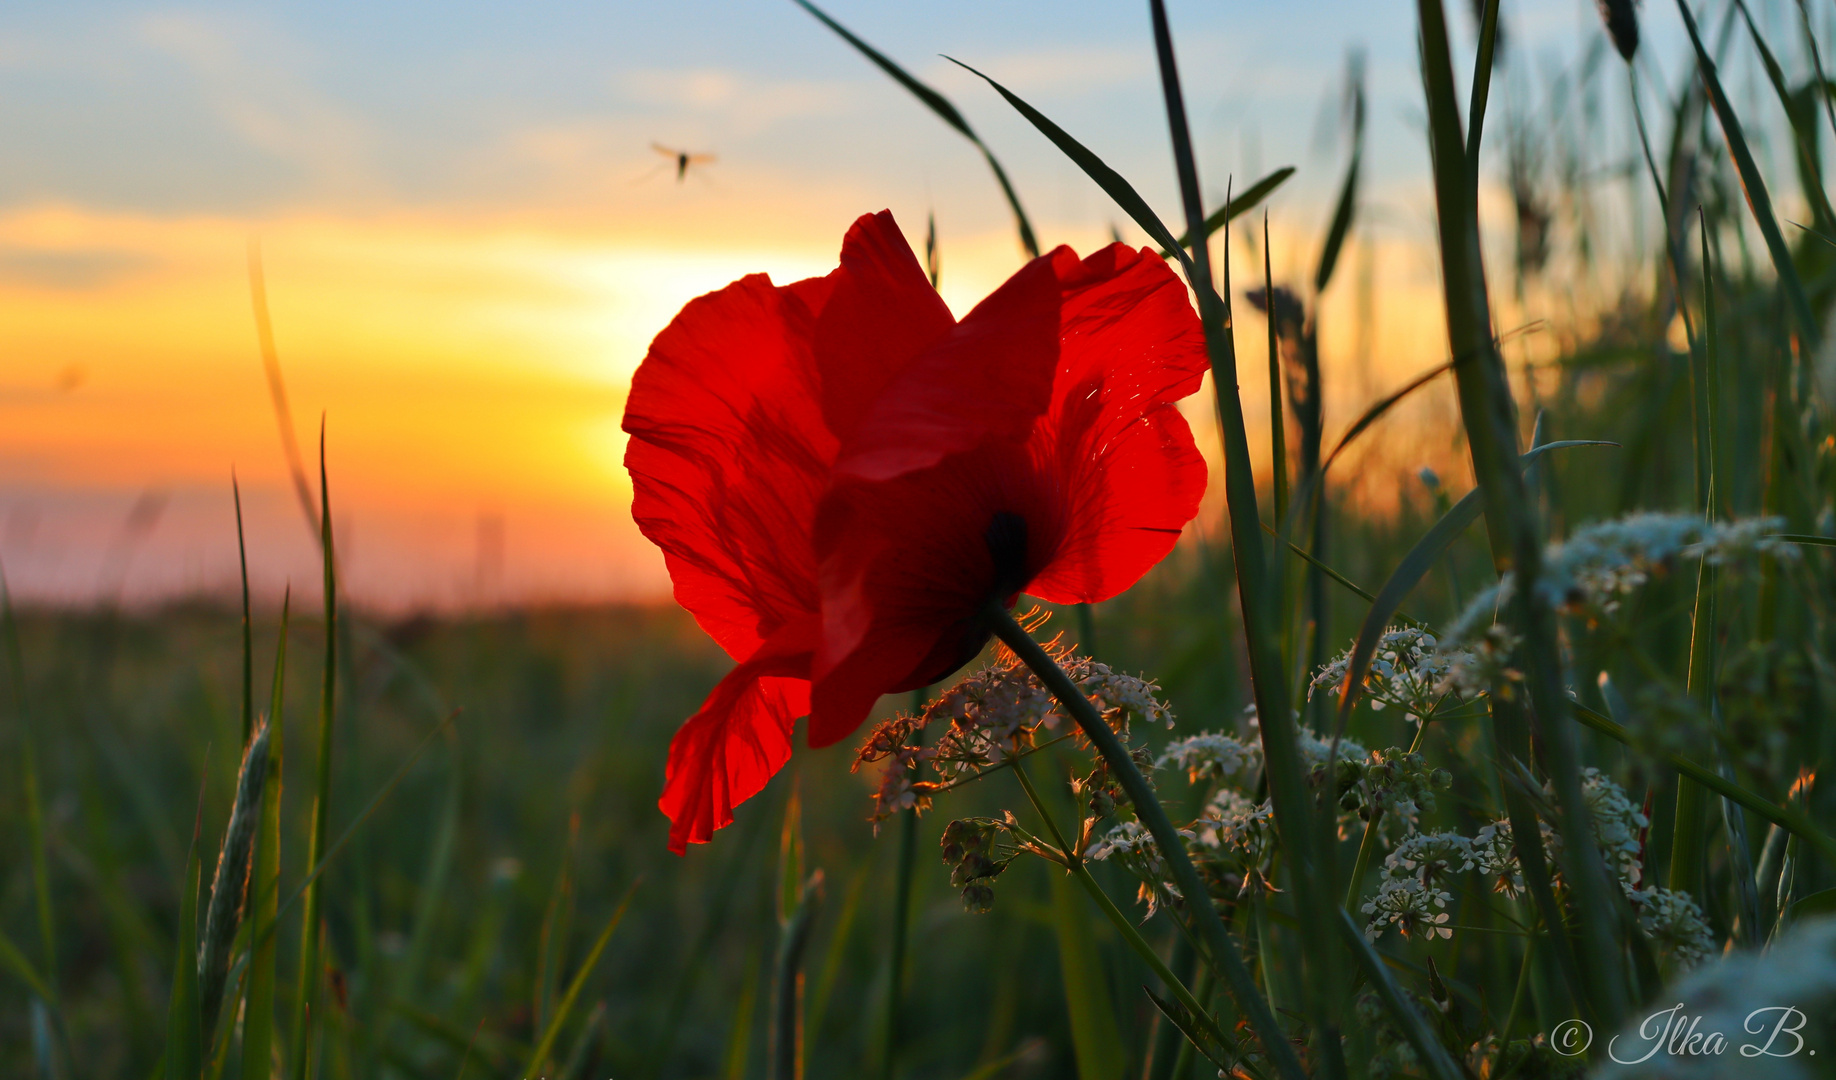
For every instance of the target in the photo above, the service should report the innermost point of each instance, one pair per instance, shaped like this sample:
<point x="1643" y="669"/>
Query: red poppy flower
<point x="841" y="475"/>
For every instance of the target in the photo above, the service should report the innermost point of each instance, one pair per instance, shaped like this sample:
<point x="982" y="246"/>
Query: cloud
<point x="254" y="81"/>
<point x="744" y="103"/>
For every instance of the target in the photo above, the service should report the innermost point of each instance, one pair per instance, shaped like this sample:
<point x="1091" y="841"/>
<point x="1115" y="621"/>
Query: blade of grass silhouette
<point x="1785" y="817"/>
<point x="945" y="111"/>
<point x="1106" y="178"/>
<point x="1080" y="998"/>
<point x="184" y="1058"/>
<point x="1304" y="844"/>
<point x="248" y="644"/>
<point x="1238" y="205"/>
<point x="350" y="831"/>
<point x="277" y="387"/>
<point x="34" y="803"/>
<point x="1816" y="53"/>
<point x="308" y="973"/>
<point x="566" y="1005"/>
<point x="1488" y="415"/>
<point x="1414" y="1026"/>
<point x="1347" y="205"/>
<point x="1806" y="538"/>
<point x="787" y="1051"/>
<point x="1409" y="573"/>
<point x="264" y="880"/>
<point x="1482" y="86"/>
<point x="1754" y="187"/>
<point x="1807" y="150"/>
<point x="1688" y="854"/>
<point x="1224" y="947"/>
<point x="1278" y="437"/>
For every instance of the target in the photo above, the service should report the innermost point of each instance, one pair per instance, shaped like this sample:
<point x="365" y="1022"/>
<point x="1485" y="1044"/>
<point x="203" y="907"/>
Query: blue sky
<point x="469" y="239"/>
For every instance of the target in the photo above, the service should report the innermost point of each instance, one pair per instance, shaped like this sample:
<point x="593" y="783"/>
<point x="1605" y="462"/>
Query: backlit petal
<point x="729" y="455"/>
<point x="729" y="750"/>
<point x="988" y="379"/>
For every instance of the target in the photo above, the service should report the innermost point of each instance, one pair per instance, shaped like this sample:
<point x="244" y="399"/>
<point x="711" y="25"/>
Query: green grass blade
<point x="1482" y="86"/>
<point x="786" y="1056"/>
<point x="264" y="884"/>
<point x="1278" y="413"/>
<point x="15" y="961"/>
<point x="277" y="386"/>
<point x="1428" y="1048"/>
<point x="1785" y="817"/>
<point x="1805" y="538"/>
<point x="34" y="803"/>
<point x="1412" y="569"/>
<point x="1347" y="207"/>
<point x="184" y="1059"/>
<point x="539" y="1056"/>
<point x="1237" y="205"/>
<point x="945" y="111"/>
<point x="1804" y="140"/>
<point x="739" y="1038"/>
<point x="1096" y="1041"/>
<point x="248" y="644"/>
<point x="228" y="889"/>
<point x="1106" y="178"/>
<point x="837" y="951"/>
<point x="1342" y="215"/>
<point x="316" y="855"/>
<point x="1488" y="414"/>
<point x="1754" y="186"/>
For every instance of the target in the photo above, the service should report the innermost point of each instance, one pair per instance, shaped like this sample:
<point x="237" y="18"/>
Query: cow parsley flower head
<point x="1618" y="824"/>
<point x="1675" y="922"/>
<point x="1600" y="565"/>
<point x="1211" y="755"/>
<point x="1430" y="859"/>
<point x="1411" y="907"/>
<point x="1407" y="671"/>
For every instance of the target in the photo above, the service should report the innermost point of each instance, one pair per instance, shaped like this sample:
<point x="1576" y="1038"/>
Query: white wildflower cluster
<point x="1237" y="834"/>
<point x="1316" y="751"/>
<point x="1619" y="826"/>
<point x="1674" y="922"/>
<point x="1408" y="671"/>
<point x="1411" y="895"/>
<point x="1397" y="784"/>
<point x="1495" y="856"/>
<point x="1212" y="755"/>
<point x="993" y="715"/>
<point x="1601" y="564"/>
<point x="1484" y="665"/>
<point x="1411" y="907"/>
<point x="1131" y="846"/>
<point x="1429" y="858"/>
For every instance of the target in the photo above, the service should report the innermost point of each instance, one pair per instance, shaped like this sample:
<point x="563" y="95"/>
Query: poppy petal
<point x="882" y="314"/>
<point x="1117" y="447"/>
<point x="904" y="567"/>
<point x="729" y="750"/>
<point x="1127" y="500"/>
<point x="988" y="379"/>
<point x="729" y="454"/>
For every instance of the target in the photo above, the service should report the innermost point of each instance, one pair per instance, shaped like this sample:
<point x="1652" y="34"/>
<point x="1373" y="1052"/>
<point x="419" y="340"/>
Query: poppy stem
<point x="1226" y="953"/>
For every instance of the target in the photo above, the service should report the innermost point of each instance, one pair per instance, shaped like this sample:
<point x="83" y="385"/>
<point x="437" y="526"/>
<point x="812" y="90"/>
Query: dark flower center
<point x="1006" y="540"/>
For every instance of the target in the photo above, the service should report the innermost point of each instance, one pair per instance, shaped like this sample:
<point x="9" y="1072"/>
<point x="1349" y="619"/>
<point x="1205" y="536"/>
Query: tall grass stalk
<point x="308" y="978"/>
<point x="1306" y="844"/>
<point x="264" y="888"/>
<point x="1489" y="416"/>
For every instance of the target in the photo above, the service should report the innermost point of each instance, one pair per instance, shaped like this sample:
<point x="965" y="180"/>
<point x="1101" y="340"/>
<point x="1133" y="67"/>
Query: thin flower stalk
<point x="1225" y="951"/>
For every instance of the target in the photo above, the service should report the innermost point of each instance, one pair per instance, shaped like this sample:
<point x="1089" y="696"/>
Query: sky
<point x="468" y="240"/>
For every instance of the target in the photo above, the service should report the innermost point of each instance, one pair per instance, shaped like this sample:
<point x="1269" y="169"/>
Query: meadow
<point x="1458" y="837"/>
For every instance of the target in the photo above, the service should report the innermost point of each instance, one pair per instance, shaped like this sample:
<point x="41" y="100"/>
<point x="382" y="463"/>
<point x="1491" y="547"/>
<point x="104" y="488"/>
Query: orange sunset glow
<point x="466" y="324"/>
